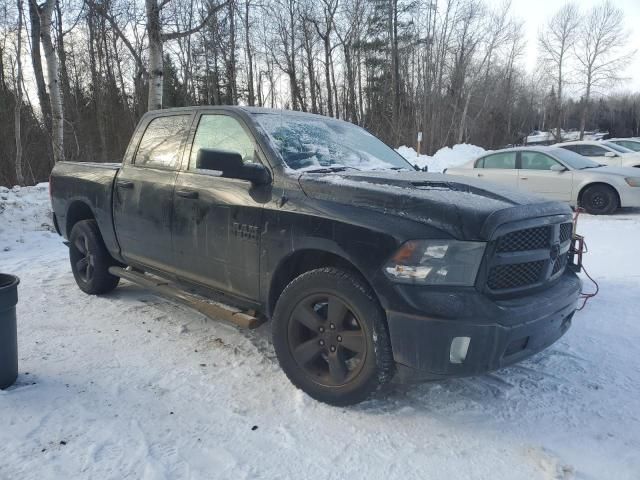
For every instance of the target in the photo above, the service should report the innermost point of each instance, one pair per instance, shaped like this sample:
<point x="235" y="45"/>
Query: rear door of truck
<point x="143" y="190"/>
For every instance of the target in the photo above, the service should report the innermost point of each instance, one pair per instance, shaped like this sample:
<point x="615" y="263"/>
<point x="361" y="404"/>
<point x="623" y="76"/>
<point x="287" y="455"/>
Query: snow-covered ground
<point x="446" y="157"/>
<point x="129" y="385"/>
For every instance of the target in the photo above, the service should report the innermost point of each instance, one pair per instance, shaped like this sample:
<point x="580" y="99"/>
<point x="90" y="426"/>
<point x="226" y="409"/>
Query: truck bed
<point x="81" y="184"/>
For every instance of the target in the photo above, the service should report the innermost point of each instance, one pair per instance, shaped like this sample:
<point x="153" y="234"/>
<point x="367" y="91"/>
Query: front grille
<point x="505" y="277"/>
<point x="529" y="257"/>
<point x="566" y="229"/>
<point x="527" y="239"/>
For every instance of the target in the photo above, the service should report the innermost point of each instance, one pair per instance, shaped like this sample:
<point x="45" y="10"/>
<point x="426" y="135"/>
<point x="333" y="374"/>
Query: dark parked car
<point x="367" y="269"/>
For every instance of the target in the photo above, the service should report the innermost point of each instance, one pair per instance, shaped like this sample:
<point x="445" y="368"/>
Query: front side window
<point x="221" y="132"/>
<point x="536" y="161"/>
<point x="161" y="144"/>
<point x="504" y="160"/>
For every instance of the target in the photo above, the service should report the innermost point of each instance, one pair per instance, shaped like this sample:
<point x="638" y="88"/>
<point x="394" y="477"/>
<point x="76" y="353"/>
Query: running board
<point x="213" y="310"/>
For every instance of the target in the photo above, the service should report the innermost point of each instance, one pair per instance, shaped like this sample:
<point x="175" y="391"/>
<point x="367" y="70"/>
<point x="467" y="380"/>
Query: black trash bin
<point x="8" y="330"/>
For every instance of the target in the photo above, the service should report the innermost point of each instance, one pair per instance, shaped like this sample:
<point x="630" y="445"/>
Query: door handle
<point x="125" y="184"/>
<point x="524" y="178"/>
<point x="481" y="174"/>
<point x="191" y="194"/>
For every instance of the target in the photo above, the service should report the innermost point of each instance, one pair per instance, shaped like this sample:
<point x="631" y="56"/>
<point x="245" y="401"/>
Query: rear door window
<point x="504" y="160"/>
<point x="161" y="144"/>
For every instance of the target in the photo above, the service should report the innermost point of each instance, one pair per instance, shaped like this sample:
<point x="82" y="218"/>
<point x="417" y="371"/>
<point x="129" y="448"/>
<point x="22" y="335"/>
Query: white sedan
<point x="630" y="143"/>
<point x="558" y="174"/>
<point x="604" y="152"/>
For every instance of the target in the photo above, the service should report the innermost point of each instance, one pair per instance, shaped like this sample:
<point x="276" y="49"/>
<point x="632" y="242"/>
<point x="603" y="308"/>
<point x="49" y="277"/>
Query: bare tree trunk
<point x="36" y="63"/>
<point x="250" y="91"/>
<point x="18" y="107"/>
<point x="57" y="111"/>
<point x="308" y="47"/>
<point x="585" y="109"/>
<point x="395" y="71"/>
<point x="327" y="72"/>
<point x="463" y="118"/>
<point x="156" y="70"/>
<point x="232" y="96"/>
<point x="335" y="88"/>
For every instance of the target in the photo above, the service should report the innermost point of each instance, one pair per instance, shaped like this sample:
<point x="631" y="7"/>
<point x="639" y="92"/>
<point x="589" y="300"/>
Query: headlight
<point x="633" y="181"/>
<point x="436" y="262"/>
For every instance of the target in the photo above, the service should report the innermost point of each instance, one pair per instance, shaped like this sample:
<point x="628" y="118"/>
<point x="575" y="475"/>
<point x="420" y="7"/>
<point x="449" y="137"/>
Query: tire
<point x="330" y="337"/>
<point x="90" y="260"/>
<point x="599" y="200"/>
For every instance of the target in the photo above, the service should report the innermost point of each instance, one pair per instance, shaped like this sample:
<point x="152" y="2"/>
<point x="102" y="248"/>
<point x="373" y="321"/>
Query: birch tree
<point x="53" y="81"/>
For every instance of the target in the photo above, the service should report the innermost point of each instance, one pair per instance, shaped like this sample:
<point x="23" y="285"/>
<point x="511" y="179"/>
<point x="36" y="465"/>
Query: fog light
<point x="459" y="348"/>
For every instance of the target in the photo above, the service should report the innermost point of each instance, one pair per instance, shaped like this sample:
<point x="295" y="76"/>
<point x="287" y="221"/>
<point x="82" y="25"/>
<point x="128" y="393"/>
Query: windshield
<point x="310" y="142"/>
<point x="574" y="160"/>
<point x="617" y="148"/>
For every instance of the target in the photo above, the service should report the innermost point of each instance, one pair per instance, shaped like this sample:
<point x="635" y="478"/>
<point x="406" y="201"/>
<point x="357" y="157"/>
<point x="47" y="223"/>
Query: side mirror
<point x="230" y="165"/>
<point x="558" y="168"/>
<point x="610" y="154"/>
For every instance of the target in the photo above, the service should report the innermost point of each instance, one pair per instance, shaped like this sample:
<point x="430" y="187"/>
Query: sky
<point x="536" y="13"/>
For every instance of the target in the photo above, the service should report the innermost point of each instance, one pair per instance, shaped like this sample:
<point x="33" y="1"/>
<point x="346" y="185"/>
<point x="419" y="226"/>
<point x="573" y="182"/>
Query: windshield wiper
<point x="325" y="170"/>
<point x="329" y="169"/>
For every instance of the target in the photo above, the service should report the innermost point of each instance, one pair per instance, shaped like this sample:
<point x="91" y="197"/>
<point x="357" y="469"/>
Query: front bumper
<point x="501" y="332"/>
<point x="629" y="196"/>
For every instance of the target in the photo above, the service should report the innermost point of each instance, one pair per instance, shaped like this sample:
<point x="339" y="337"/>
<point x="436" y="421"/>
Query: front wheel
<point x="599" y="200"/>
<point x="330" y="337"/>
<point x="90" y="260"/>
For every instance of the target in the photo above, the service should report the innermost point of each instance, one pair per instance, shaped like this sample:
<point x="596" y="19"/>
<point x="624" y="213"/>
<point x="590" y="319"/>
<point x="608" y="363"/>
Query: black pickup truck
<point x="368" y="269"/>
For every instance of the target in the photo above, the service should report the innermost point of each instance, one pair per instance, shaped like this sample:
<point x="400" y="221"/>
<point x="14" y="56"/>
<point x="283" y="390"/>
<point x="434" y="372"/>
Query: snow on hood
<point x="460" y="207"/>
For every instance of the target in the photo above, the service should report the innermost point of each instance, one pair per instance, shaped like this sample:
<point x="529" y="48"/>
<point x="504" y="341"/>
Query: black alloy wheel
<point x="330" y="336"/>
<point x="85" y="265"/>
<point x="326" y="339"/>
<point x="90" y="259"/>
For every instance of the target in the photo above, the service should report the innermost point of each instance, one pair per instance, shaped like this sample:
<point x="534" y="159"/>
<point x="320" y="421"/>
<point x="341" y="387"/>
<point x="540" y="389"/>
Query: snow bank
<point x="446" y="157"/>
<point x="23" y="209"/>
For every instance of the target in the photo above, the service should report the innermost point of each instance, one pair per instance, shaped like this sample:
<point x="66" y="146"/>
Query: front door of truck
<point x="143" y="192"/>
<point x="217" y="221"/>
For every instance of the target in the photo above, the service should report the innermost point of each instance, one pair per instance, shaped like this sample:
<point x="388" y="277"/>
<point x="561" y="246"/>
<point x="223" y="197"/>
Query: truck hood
<point x="467" y="209"/>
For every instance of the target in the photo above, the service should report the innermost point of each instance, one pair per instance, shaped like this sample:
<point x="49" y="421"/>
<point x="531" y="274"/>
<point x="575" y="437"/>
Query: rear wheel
<point x="330" y="337"/>
<point x="90" y="260"/>
<point x="599" y="200"/>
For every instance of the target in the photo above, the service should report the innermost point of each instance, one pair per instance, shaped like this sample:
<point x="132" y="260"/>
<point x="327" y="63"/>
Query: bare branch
<point x="211" y="12"/>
